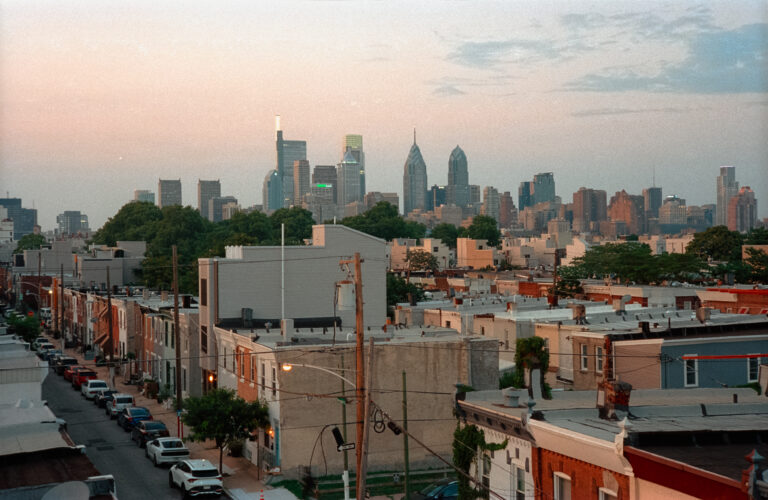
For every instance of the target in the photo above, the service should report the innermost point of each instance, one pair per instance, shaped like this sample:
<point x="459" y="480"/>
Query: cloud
<point x="490" y="54"/>
<point x="641" y="26"/>
<point x="721" y="61"/>
<point x="630" y="111"/>
<point x="447" y="90"/>
<point x="450" y="86"/>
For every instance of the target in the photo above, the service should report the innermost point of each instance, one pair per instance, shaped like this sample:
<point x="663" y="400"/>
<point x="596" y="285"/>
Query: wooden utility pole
<point x="405" y="441"/>
<point x="61" y="315"/>
<point x="177" y="334"/>
<point x="363" y="470"/>
<point x="39" y="297"/>
<point x="111" y="347"/>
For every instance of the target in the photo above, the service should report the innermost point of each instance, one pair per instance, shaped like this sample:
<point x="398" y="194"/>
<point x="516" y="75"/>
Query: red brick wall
<point x="586" y="479"/>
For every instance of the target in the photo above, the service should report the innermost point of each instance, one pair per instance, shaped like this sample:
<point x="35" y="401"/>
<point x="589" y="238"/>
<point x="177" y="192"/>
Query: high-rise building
<point x="325" y="176"/>
<point x="474" y="193"/>
<point x="24" y="219"/>
<point x="589" y="209"/>
<point x="742" y="211"/>
<point x="457" y="189"/>
<point x="543" y="187"/>
<point x="525" y="195"/>
<point x="348" y="180"/>
<point x="507" y="210"/>
<point x="374" y="197"/>
<point x="414" y="180"/>
<point x="354" y="144"/>
<point x="727" y="187"/>
<point x="206" y="191"/>
<point x="168" y="192"/>
<point x="272" y="192"/>
<point x="216" y="207"/>
<point x="300" y="181"/>
<point x="673" y="214"/>
<point x="144" y="195"/>
<point x="491" y="203"/>
<point x="72" y="222"/>
<point x="288" y="152"/>
<point x="652" y="201"/>
<point x="629" y="209"/>
<point x="436" y="197"/>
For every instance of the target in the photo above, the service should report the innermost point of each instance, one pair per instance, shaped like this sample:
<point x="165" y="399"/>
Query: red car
<point x="81" y="376"/>
<point x="70" y="370"/>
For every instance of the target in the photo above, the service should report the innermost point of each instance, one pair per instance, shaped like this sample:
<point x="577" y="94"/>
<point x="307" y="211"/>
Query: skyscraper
<point x="543" y="188"/>
<point x="436" y="197"/>
<point x="524" y="195"/>
<point x="727" y="187"/>
<point x="207" y="190"/>
<point x="348" y="180"/>
<point x="144" y="195"/>
<point x="72" y="222"/>
<point x="300" y="181"/>
<point x="629" y="209"/>
<point x="324" y="176"/>
<point x="491" y="203"/>
<point x="24" y="219"/>
<point x="507" y="210"/>
<point x="589" y="209"/>
<point x="272" y="192"/>
<point x="354" y="144"/>
<point x="168" y="193"/>
<point x="652" y="201"/>
<point x="457" y="189"/>
<point x="414" y="180"/>
<point x="287" y="153"/>
<point x="216" y="206"/>
<point x="742" y="210"/>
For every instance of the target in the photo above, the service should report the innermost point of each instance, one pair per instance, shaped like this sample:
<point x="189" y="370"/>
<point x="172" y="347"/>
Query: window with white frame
<point x="691" y="373"/>
<point x="263" y="383"/>
<point x="606" y="494"/>
<point x="753" y="369"/>
<point x="253" y="368"/>
<point x="562" y="486"/>
<point x="599" y="359"/>
<point x="584" y="357"/>
<point x="519" y="484"/>
<point x="274" y="381"/>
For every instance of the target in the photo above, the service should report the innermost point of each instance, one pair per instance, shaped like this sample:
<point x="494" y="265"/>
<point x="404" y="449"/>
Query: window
<point x="263" y="383"/>
<point x="691" y="367"/>
<point x="562" y="487"/>
<point x="599" y="359"/>
<point x="253" y="369"/>
<point x="204" y="338"/>
<point x="753" y="369"/>
<point x="203" y="292"/>
<point x="486" y="470"/>
<point x="519" y="484"/>
<point x="242" y="364"/>
<point x="604" y="494"/>
<point x="274" y="381"/>
<point x="584" y="357"/>
<point x="225" y="358"/>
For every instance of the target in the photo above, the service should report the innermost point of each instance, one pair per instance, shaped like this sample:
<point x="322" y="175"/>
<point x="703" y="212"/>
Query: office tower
<point x="524" y="195"/>
<point x="354" y="144"/>
<point x="474" y="193"/>
<point x="543" y="187"/>
<point x="228" y="210"/>
<point x="288" y="152"/>
<point x="457" y="189"/>
<point x="727" y="187"/>
<point x="24" y="219"/>
<point x="742" y="211"/>
<point x="507" y="210"/>
<point x="589" y="209"/>
<point x="272" y="192"/>
<point x="144" y="195"/>
<point x="206" y="191"/>
<point x="436" y="197"/>
<point x="216" y="207"/>
<point x="652" y="201"/>
<point x="491" y="203"/>
<point x="72" y="222"/>
<point x="629" y="209"/>
<point x="673" y="214"/>
<point x="300" y="181"/>
<point x="374" y="197"/>
<point x="168" y="193"/>
<point x="414" y="180"/>
<point x="325" y="176"/>
<point x="348" y="180"/>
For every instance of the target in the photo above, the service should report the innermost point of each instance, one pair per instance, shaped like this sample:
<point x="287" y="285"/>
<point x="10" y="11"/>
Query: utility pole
<point x="363" y="470"/>
<point x="405" y="440"/>
<point x="177" y="334"/>
<point x="345" y="476"/>
<point x="359" y="360"/>
<point x="61" y="315"/>
<point x="110" y="342"/>
<point x="39" y="297"/>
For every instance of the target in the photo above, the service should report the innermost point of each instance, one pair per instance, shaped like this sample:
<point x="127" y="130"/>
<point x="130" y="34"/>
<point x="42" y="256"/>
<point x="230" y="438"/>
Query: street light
<point x="286" y="367"/>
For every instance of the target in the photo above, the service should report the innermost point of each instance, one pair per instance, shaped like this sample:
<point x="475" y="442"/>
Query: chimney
<point x="186" y="301"/>
<point x="618" y="304"/>
<point x="613" y="396"/>
<point x="164" y="295"/>
<point x="145" y="294"/>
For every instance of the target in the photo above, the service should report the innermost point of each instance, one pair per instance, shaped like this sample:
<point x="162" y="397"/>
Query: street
<point x="107" y="445"/>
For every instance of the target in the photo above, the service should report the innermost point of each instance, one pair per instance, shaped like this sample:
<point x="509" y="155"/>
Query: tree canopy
<point x="421" y="260"/>
<point x="398" y="290"/>
<point x="384" y="221"/>
<point x="223" y="417"/>
<point x="716" y="243"/>
<point x="484" y="227"/>
<point x="30" y="242"/>
<point x="447" y="233"/>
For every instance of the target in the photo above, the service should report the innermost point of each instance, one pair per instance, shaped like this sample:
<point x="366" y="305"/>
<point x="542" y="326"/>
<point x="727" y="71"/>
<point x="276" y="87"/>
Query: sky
<point x="98" y="99"/>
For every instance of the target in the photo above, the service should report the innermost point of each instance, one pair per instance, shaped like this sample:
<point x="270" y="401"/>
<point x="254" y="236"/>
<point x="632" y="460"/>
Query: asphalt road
<point x="109" y="447"/>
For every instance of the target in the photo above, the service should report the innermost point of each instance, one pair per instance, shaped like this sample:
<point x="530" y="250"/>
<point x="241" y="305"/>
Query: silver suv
<point x="117" y="403"/>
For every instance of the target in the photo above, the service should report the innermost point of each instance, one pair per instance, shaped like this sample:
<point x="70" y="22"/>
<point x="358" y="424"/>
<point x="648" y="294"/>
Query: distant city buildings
<point x="288" y="152"/>
<point x="216" y="208"/>
<point x="144" y="195"/>
<point x="589" y="209"/>
<point x="300" y="181"/>
<point x="742" y="211"/>
<point x="348" y="180"/>
<point x="491" y="203"/>
<point x="353" y="143"/>
<point x="628" y="209"/>
<point x="168" y="193"/>
<point x="24" y="219"/>
<point x="72" y="222"/>
<point x="727" y="188"/>
<point x="414" y="180"/>
<point x="457" y="189"/>
<point x="206" y="191"/>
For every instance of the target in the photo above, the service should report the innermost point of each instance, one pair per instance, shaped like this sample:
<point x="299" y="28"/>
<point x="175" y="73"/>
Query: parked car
<point x="147" y="430"/>
<point x="129" y="417"/>
<point x="61" y="363"/>
<point x="39" y="340"/>
<point x="49" y="355"/>
<point x="70" y="370"/>
<point x="101" y="397"/>
<point x="118" y="403"/>
<point x="166" y="450"/>
<point x="90" y="387"/>
<point x="43" y="347"/>
<point x="196" y="477"/>
<point x="445" y="489"/>
<point x="81" y="376"/>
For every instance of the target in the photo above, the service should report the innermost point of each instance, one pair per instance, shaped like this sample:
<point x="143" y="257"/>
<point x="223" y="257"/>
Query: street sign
<point x="346" y="446"/>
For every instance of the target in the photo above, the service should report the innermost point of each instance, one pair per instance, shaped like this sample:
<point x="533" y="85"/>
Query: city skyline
<point x="101" y="100"/>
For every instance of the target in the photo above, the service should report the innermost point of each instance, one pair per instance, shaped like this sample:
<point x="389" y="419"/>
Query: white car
<point x="117" y="403"/>
<point x="89" y="388"/>
<point x="196" y="477"/>
<point x="166" y="450"/>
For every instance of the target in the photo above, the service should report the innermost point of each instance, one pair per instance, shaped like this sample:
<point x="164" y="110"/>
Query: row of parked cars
<point x="193" y="477"/>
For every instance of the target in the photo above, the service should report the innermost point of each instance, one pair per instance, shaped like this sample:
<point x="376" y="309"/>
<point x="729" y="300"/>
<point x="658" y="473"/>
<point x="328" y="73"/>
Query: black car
<point x="131" y="416"/>
<point x="147" y="430"/>
<point x="101" y="398"/>
<point x="62" y="362"/>
<point x="445" y="489"/>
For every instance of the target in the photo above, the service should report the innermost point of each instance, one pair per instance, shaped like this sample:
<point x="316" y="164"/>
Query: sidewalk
<point x="240" y="475"/>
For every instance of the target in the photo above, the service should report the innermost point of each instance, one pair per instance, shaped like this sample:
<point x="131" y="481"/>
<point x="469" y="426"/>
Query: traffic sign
<point x="346" y="446"/>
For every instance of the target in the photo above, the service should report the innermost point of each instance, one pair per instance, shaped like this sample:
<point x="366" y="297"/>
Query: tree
<point x="384" y="221"/>
<point x="716" y="243"/>
<point x="298" y="225"/>
<point x="398" y="290"/>
<point x="757" y="260"/>
<point x="30" y="242"/>
<point x="484" y="227"/>
<point x="569" y="282"/>
<point x="27" y="327"/>
<point x="756" y="236"/>
<point x="531" y="353"/>
<point x="130" y="223"/>
<point x="223" y="417"/>
<point x="445" y="232"/>
<point x="420" y="260"/>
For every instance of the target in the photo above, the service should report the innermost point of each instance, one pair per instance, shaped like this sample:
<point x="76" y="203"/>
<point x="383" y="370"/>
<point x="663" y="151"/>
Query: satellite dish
<point x="72" y="490"/>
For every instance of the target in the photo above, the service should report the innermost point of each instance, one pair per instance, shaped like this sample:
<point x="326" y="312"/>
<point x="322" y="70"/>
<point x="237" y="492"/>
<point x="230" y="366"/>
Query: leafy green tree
<point x="398" y="290"/>
<point x="445" y="232"/>
<point x="223" y="417"/>
<point x="532" y="353"/>
<point x="298" y="225"/>
<point x="484" y="227"/>
<point x="679" y="266"/>
<point x="130" y="223"/>
<point x="629" y="262"/>
<point x="569" y="282"/>
<point x="716" y="243"/>
<point x="757" y="260"/>
<point x="27" y="327"/>
<point x="30" y="242"/>
<point x="756" y="236"/>
<point x="420" y="260"/>
<point x="468" y="440"/>
<point x="384" y="221"/>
